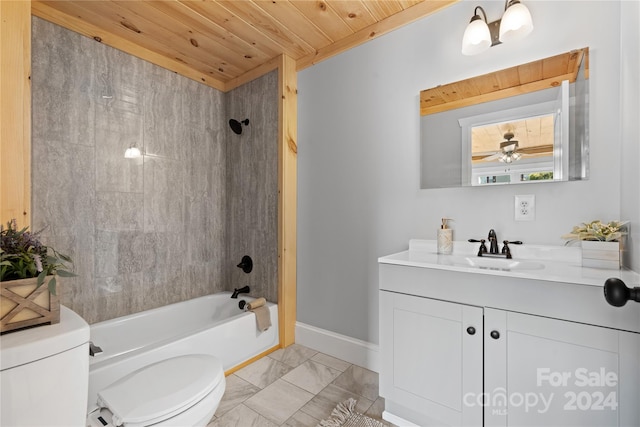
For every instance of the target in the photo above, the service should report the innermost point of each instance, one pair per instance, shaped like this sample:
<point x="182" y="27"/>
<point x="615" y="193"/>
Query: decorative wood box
<point x="23" y="304"/>
<point x="601" y="254"/>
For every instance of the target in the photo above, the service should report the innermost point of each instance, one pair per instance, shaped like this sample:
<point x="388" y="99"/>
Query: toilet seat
<point x="161" y="390"/>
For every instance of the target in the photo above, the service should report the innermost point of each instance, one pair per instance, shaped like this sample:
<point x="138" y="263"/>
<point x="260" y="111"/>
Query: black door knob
<point x="471" y="330"/>
<point x="617" y="294"/>
<point x="495" y="335"/>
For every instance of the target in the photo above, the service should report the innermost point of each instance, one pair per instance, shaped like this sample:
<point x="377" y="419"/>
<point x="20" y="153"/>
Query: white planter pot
<point x="601" y="254"/>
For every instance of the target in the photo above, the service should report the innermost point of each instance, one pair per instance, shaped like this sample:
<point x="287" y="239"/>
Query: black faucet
<point x="493" y="246"/>
<point x="493" y="242"/>
<point x="236" y="292"/>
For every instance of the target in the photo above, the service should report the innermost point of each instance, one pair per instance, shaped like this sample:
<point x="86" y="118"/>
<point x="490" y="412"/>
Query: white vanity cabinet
<point x="463" y="349"/>
<point x="540" y="372"/>
<point x="431" y="355"/>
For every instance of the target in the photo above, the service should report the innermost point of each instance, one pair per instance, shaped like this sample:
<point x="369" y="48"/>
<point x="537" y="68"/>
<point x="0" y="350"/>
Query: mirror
<point x="525" y="124"/>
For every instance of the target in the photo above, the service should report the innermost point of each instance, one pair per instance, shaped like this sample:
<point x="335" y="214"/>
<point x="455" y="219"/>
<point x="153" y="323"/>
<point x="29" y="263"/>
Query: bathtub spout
<point x="244" y="290"/>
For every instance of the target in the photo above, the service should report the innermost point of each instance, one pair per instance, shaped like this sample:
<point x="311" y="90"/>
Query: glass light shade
<point x="132" y="153"/>
<point x="516" y="23"/>
<point x="477" y="37"/>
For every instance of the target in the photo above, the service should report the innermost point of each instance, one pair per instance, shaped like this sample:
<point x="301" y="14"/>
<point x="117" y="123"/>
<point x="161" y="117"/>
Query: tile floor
<point x="295" y="387"/>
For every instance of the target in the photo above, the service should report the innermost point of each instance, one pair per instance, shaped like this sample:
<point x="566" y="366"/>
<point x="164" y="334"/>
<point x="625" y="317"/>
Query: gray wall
<point x="151" y="231"/>
<point x="359" y="153"/>
<point x="252" y="159"/>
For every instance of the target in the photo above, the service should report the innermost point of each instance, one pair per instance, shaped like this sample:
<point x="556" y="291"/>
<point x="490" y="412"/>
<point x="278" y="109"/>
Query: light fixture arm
<point x="476" y="16"/>
<point x="516" y="18"/>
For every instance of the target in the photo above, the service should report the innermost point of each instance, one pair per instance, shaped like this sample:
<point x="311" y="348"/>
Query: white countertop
<point x="549" y="263"/>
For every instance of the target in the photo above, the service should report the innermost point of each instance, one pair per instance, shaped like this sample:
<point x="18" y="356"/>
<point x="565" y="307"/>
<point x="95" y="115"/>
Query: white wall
<point x="358" y="164"/>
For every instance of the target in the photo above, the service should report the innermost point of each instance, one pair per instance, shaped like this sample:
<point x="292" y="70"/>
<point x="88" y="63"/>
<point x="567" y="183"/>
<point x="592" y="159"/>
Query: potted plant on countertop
<point x="601" y="243"/>
<point x="25" y="266"/>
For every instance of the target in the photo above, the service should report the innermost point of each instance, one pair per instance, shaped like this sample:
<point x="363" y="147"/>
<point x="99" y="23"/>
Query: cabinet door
<point x="541" y="371"/>
<point x="429" y="359"/>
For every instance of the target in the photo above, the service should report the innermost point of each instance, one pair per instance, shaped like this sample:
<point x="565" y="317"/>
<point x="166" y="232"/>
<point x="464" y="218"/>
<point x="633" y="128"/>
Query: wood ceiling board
<point x="290" y="17"/>
<point x="418" y="11"/>
<point x="288" y="42"/>
<point x="217" y="42"/>
<point x="227" y="20"/>
<point x="80" y="25"/>
<point x="125" y="24"/>
<point x="354" y="13"/>
<point x="382" y="9"/>
<point x="325" y="18"/>
<point x="165" y="29"/>
<point x="201" y="24"/>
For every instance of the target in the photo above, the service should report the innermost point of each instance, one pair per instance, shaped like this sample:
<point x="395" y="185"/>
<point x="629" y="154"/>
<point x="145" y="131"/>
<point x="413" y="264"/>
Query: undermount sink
<point x="494" y="263"/>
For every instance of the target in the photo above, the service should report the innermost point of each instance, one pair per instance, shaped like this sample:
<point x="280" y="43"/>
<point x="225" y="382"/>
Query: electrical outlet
<point x="525" y="207"/>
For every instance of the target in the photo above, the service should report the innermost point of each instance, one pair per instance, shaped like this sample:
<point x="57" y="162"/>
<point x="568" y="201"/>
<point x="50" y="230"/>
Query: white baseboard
<point x="396" y="420"/>
<point x="352" y="350"/>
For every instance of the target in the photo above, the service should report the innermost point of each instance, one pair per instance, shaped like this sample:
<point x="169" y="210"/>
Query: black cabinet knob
<point x="617" y="294"/>
<point x="495" y="335"/>
<point x="471" y="330"/>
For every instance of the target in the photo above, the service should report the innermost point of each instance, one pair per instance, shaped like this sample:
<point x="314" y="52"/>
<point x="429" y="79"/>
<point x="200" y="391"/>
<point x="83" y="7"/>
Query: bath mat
<point x="345" y="415"/>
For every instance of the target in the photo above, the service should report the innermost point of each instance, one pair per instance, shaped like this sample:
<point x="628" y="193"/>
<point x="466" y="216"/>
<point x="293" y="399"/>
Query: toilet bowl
<point x="180" y="391"/>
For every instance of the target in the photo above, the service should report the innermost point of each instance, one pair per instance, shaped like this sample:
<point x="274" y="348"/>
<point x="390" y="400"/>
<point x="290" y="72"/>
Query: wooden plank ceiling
<point x="224" y="43"/>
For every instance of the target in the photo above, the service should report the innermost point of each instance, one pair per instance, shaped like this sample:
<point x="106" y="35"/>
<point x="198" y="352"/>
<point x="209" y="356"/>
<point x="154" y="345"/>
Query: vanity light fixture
<point x="481" y="34"/>
<point x="132" y="153"/>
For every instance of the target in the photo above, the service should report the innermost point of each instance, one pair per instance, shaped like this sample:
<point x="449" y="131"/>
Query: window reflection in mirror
<point x="525" y="144"/>
<point x="452" y="127"/>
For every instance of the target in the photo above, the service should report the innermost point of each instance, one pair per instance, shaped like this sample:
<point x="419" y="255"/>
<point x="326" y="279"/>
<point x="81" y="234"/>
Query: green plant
<point x="597" y="231"/>
<point x="540" y="176"/>
<point x="23" y="256"/>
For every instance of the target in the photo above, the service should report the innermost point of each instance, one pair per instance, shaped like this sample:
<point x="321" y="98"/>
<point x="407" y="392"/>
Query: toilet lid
<point x="161" y="390"/>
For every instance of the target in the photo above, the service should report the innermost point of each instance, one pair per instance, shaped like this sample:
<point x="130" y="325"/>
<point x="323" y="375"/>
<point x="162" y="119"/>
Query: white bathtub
<point x="212" y="324"/>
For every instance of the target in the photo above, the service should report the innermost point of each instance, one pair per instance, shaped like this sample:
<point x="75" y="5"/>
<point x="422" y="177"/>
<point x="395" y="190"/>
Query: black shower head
<point x="236" y="126"/>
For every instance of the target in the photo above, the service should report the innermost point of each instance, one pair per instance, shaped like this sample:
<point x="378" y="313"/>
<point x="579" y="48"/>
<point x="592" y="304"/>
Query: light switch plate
<point x="525" y="207"/>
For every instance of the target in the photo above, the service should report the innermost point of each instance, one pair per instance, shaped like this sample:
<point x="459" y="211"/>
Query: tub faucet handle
<point x="94" y="350"/>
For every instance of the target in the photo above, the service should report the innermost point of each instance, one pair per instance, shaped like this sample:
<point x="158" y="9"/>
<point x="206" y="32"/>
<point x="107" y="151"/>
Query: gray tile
<point x="263" y="372"/>
<point x="236" y="392"/>
<point x="117" y="211"/>
<point x="130" y="251"/>
<point x="115" y="131"/>
<point x="360" y="381"/>
<point x="331" y="362"/>
<point x="311" y="376"/>
<point x="241" y="416"/>
<point x="163" y="187"/>
<point x="106" y="261"/>
<point x="279" y="401"/>
<point x="294" y="355"/>
<point x="323" y="403"/>
<point x="300" y="419"/>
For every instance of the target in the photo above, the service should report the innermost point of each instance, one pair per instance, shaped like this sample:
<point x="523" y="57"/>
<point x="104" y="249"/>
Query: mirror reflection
<point x="532" y="127"/>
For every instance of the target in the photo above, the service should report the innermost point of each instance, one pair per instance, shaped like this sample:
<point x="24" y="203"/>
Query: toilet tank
<point x="44" y="374"/>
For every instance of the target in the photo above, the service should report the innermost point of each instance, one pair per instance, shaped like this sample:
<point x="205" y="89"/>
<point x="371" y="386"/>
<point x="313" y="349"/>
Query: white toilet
<point x="179" y="391"/>
<point x="44" y="374"/>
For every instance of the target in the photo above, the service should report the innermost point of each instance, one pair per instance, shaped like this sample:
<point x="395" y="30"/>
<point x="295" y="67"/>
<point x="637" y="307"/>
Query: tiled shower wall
<point x="155" y="230"/>
<point x="252" y="169"/>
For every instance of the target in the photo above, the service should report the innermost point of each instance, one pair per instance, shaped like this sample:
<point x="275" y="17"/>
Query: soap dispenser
<point x="445" y="238"/>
